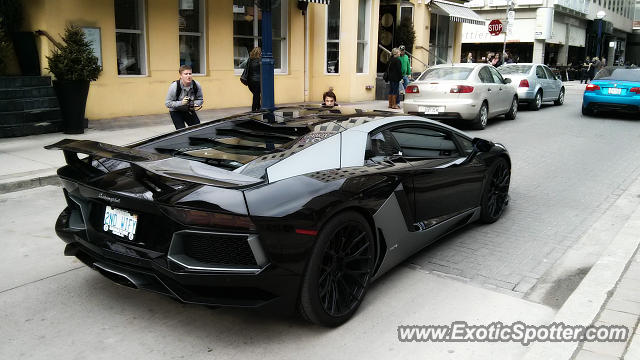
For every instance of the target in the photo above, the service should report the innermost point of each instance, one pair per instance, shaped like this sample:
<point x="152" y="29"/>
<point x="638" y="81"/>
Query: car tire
<point x="536" y="103"/>
<point x="513" y="111"/>
<point x="560" y="100"/>
<point x="339" y="270"/>
<point x="495" y="194"/>
<point x="587" y="111"/>
<point x="480" y="122"/>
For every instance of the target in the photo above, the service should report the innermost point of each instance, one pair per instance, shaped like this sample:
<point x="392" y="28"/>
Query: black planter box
<point x="72" y="96"/>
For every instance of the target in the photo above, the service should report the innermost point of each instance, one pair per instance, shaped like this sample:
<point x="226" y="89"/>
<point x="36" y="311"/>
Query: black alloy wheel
<point x="495" y="196"/>
<point x="339" y="271"/>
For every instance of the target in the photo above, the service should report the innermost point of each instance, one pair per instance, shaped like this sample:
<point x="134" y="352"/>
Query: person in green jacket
<point x="406" y="68"/>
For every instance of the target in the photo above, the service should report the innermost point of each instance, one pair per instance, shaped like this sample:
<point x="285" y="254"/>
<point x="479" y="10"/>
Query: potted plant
<point x="24" y="42"/>
<point x="74" y="66"/>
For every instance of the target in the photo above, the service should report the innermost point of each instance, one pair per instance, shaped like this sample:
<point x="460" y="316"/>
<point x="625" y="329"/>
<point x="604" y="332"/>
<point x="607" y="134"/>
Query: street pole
<point x="506" y="16"/>
<point x="599" y="37"/>
<point x="268" y="102"/>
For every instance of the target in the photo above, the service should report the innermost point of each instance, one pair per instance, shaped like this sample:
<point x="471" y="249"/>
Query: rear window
<point x="446" y="73"/>
<point x="514" y="69"/>
<point x="618" y="74"/>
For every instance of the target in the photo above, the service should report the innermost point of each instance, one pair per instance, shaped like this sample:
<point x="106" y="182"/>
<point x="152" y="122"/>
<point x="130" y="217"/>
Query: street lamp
<point x="600" y="15"/>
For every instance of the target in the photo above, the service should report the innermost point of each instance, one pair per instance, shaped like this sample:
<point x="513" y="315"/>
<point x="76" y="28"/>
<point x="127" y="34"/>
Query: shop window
<point x="247" y="32"/>
<point x="191" y="33"/>
<point x="130" y="37"/>
<point x="439" y="39"/>
<point x="364" y="14"/>
<point x="333" y="37"/>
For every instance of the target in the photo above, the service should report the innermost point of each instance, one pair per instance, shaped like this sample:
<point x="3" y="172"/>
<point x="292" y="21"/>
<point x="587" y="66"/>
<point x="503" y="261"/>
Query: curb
<point x="590" y="297"/>
<point x="29" y="183"/>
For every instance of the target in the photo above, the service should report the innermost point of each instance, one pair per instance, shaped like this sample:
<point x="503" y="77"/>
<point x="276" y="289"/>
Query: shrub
<point x="75" y="59"/>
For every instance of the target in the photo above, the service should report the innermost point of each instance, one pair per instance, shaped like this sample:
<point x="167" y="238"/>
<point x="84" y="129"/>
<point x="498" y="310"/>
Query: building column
<point x="538" y="51"/>
<point x="563" y="55"/>
<point x="611" y="52"/>
<point x="457" y="42"/>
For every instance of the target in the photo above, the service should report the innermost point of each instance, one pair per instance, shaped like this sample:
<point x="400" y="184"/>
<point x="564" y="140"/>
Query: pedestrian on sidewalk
<point x="183" y="98"/>
<point x="254" y="76"/>
<point x="406" y="71"/>
<point x="584" y="70"/>
<point x="394" y="75"/>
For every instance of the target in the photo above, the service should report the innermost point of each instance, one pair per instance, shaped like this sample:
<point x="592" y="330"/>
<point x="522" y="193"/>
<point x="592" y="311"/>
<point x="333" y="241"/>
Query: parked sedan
<point x="473" y="92"/>
<point x="613" y="89"/>
<point x="535" y="84"/>
<point x="301" y="213"/>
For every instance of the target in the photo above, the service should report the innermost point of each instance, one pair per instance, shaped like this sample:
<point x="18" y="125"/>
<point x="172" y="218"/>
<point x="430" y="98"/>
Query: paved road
<point x="567" y="170"/>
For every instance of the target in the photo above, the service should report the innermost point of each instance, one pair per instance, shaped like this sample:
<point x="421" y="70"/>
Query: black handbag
<point x="385" y="76"/>
<point x="244" y="78"/>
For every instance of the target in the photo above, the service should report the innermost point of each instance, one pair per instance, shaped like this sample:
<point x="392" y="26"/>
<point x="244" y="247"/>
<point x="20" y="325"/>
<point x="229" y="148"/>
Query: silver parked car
<point x="474" y="92"/>
<point x="535" y="83"/>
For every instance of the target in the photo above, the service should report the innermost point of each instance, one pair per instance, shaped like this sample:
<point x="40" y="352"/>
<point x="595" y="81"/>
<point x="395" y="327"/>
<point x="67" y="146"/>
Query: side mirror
<point x="481" y="145"/>
<point x="507" y="81"/>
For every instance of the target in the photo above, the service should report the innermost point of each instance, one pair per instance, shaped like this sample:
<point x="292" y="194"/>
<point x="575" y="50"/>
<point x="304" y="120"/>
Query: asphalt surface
<point x="569" y="173"/>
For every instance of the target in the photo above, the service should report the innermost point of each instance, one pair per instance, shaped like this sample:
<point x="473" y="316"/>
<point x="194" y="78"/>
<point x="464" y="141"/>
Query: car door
<point x="505" y="94"/>
<point x="554" y="85"/>
<point x="443" y="185"/>
<point x="541" y="78"/>
<point x="490" y="90"/>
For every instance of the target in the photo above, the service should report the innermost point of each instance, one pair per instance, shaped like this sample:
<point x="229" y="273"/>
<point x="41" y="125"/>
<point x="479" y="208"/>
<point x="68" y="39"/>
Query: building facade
<point x="554" y="32"/>
<point x="317" y="45"/>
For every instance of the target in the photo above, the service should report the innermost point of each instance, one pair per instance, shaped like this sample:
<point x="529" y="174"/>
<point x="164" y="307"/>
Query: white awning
<point x="457" y="12"/>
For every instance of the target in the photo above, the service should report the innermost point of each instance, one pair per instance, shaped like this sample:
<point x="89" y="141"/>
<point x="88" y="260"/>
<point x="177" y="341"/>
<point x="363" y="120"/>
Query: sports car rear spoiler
<point x="159" y="164"/>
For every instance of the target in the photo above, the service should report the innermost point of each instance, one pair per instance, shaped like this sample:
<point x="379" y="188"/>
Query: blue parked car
<point x="613" y="89"/>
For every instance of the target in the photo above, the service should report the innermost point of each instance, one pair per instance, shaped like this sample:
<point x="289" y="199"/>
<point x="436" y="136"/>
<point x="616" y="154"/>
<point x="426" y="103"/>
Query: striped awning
<point x="458" y="12"/>
<point x="326" y="2"/>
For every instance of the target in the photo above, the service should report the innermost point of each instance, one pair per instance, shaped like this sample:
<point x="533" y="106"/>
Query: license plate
<point x="615" y="91"/>
<point x="120" y="222"/>
<point x="431" y="109"/>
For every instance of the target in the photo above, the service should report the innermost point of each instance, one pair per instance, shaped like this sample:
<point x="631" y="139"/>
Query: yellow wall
<point x="112" y="95"/>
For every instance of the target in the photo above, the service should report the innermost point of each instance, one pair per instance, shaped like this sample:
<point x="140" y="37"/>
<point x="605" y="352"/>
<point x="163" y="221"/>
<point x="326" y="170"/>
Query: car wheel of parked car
<point x="560" y="99"/>
<point x="495" y="195"/>
<point x="513" y="111"/>
<point x="587" y="111"/>
<point x="480" y="122"/>
<point x="339" y="271"/>
<point x="537" y="102"/>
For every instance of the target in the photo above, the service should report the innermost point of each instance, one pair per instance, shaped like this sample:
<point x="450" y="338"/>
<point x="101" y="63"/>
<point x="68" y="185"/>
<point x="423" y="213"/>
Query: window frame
<point x="144" y="61"/>
<point x="366" y="41"/>
<point x="494" y="72"/>
<point x="202" y="34"/>
<point x="544" y="72"/>
<point x="327" y="41"/>
<point x="284" y="39"/>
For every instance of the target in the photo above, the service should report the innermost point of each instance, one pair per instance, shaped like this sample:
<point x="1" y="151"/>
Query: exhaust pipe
<point x="116" y="276"/>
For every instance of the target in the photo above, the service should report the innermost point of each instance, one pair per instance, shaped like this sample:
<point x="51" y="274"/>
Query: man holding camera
<point x="184" y="96"/>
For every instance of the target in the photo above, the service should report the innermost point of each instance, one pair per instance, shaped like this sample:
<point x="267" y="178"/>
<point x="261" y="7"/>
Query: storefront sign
<point x="523" y="32"/>
<point x="495" y="27"/>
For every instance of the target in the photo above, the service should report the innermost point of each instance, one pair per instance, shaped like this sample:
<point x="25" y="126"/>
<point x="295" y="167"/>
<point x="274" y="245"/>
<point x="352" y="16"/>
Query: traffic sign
<point x="511" y="16"/>
<point x="495" y="27"/>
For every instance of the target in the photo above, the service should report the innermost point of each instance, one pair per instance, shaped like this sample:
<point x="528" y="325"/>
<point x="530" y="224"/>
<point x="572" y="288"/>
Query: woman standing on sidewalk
<point x="394" y="75"/>
<point x="254" y="77"/>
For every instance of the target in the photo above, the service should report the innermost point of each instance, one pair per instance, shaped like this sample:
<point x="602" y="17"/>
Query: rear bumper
<point x="463" y="109"/>
<point x="526" y="94"/>
<point x="600" y="102"/>
<point x="617" y="107"/>
<point x="272" y="288"/>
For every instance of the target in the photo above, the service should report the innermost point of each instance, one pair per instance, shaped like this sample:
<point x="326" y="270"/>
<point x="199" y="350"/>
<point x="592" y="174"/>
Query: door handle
<point x="488" y="89"/>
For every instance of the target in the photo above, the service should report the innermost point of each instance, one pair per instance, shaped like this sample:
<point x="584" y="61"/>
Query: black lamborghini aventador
<point x="297" y="209"/>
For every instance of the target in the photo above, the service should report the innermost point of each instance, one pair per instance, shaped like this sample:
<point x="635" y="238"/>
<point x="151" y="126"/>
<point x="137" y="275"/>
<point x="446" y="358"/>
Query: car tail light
<point x="413" y="89"/>
<point x="461" y="89"/>
<point x="592" y="87"/>
<point x="524" y="83"/>
<point x="209" y="219"/>
<point x="635" y="90"/>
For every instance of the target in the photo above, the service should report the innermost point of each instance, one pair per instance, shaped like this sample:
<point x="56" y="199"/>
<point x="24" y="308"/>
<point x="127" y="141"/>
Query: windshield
<point x="611" y="73"/>
<point x="446" y="73"/>
<point x="514" y="69"/>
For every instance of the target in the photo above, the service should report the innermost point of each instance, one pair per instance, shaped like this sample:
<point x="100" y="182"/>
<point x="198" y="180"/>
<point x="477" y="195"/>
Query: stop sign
<point x="495" y="27"/>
